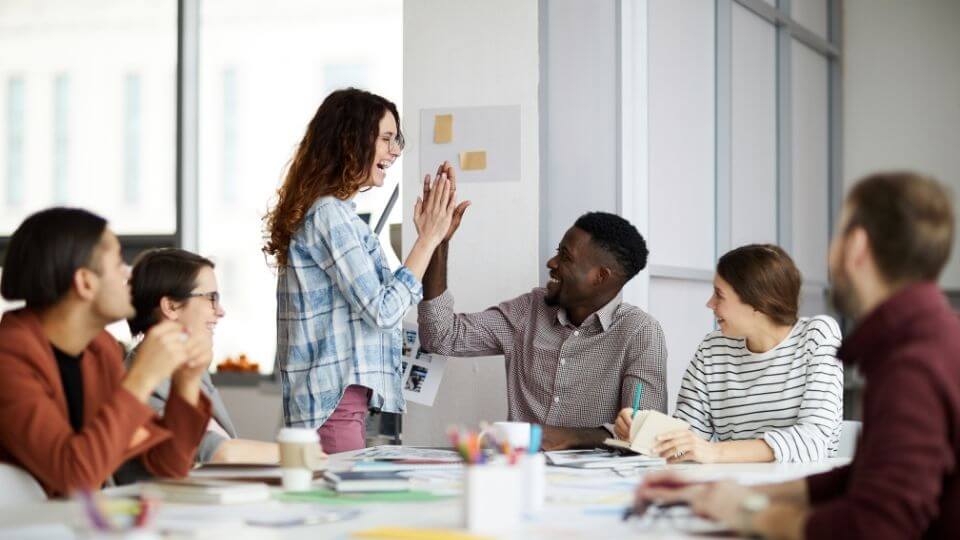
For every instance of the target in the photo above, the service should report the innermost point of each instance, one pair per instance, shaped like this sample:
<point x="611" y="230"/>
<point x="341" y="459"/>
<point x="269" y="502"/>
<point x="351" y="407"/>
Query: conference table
<point x="579" y="504"/>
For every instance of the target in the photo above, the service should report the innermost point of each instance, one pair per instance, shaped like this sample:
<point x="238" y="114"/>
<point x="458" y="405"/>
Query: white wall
<point x="579" y="137"/>
<point x="464" y="53"/>
<point x="682" y="175"/>
<point x="902" y="93"/>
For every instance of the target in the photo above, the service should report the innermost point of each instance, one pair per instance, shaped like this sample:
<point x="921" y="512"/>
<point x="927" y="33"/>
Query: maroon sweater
<point x="903" y="481"/>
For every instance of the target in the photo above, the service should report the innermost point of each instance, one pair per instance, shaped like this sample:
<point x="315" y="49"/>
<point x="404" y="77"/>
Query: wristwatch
<point x="750" y="506"/>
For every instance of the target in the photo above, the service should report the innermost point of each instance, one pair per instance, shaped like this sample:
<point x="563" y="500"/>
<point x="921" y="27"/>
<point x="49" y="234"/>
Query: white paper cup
<point x="515" y="433"/>
<point x="300" y="455"/>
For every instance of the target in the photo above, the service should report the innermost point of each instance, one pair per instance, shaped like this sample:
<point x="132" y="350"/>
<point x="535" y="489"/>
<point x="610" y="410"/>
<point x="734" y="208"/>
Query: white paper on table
<point x="388" y="451"/>
<point x="422" y="371"/>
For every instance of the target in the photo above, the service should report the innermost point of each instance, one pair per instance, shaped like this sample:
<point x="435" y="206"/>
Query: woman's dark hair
<point x="765" y="278"/>
<point x="46" y="251"/>
<point x="334" y="158"/>
<point x="161" y="272"/>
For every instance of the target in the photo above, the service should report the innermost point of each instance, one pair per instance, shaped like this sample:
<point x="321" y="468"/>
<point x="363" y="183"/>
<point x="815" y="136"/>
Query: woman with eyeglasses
<point x="339" y="305"/>
<point x="176" y="285"/>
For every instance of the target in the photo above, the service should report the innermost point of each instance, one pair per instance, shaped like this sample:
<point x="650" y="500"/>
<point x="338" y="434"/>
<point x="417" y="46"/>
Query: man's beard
<point x="551" y="299"/>
<point x="843" y="297"/>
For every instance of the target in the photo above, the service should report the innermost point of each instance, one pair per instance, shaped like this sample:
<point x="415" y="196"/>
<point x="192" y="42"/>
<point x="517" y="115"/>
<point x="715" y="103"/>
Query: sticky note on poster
<point x="442" y="128"/>
<point x="475" y="160"/>
<point x="492" y="130"/>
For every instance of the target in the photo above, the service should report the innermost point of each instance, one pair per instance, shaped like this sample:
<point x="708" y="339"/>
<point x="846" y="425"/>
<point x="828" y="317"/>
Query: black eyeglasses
<point x="213" y="297"/>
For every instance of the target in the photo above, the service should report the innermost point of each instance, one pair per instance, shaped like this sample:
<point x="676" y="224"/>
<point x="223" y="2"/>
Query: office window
<point x="90" y="110"/>
<point x="15" y="141"/>
<point x="753" y="164"/>
<point x="131" y="138"/>
<point x="811" y="163"/>
<point x="61" y="138"/>
<point x="739" y="108"/>
<point x="682" y="115"/>
<point x="336" y="76"/>
<point x="253" y="110"/>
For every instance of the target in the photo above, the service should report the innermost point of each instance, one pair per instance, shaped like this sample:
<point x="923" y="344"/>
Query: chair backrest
<point x="18" y="487"/>
<point x="849" y="434"/>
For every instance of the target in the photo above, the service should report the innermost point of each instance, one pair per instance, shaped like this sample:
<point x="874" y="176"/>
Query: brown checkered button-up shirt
<point x="557" y="374"/>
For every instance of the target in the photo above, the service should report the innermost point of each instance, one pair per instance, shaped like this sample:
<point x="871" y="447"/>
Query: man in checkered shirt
<point x="574" y="350"/>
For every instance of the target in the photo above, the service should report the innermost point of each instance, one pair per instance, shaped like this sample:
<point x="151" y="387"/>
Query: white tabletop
<point x="579" y="505"/>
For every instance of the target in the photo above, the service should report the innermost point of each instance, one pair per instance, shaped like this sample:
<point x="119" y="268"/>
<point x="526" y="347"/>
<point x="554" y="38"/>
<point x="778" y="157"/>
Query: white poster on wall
<point x="482" y="143"/>
<point x="422" y="371"/>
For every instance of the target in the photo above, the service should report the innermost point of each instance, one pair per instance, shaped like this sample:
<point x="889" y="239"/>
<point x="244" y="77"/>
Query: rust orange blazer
<point x="35" y="431"/>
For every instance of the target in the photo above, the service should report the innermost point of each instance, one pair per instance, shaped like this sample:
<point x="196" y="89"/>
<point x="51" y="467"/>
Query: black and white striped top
<point x="791" y="396"/>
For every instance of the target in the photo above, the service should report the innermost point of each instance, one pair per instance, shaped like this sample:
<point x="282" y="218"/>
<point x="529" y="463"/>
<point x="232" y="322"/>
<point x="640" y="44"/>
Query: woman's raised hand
<point x="445" y="170"/>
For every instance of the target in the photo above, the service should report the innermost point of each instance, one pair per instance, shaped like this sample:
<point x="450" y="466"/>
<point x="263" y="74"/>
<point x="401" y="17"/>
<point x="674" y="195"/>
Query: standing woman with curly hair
<point x="339" y="307"/>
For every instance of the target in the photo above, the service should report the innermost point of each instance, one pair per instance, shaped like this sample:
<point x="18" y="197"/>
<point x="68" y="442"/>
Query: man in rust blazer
<point x="71" y="414"/>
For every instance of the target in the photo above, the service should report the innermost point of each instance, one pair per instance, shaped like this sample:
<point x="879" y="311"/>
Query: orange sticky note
<point x="442" y="128"/>
<point x="475" y="160"/>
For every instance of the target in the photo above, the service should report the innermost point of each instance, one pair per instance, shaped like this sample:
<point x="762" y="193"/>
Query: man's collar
<point x="889" y="322"/>
<point x="604" y="314"/>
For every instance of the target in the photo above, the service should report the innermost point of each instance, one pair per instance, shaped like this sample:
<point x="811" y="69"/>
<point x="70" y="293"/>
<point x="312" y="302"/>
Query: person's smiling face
<point x="387" y="151"/>
<point x="199" y="314"/>
<point x="733" y="316"/>
<point x="571" y="270"/>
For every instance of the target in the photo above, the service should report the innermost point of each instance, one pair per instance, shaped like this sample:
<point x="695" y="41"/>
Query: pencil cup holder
<point x="534" y="470"/>
<point x="492" y="498"/>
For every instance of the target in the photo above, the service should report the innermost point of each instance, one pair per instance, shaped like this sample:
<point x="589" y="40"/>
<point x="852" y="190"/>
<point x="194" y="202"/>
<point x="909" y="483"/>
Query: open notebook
<point x="644" y="429"/>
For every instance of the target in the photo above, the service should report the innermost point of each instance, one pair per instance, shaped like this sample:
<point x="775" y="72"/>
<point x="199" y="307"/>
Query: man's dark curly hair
<point x="617" y="237"/>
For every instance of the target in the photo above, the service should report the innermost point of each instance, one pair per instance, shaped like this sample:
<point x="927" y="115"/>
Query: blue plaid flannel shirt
<point x="339" y="313"/>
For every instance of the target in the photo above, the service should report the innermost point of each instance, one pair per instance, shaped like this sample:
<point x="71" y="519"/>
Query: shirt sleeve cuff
<point x="405" y="276"/>
<point x="436" y="306"/>
<point x="776" y="443"/>
<point x="138" y="412"/>
<point x="188" y="423"/>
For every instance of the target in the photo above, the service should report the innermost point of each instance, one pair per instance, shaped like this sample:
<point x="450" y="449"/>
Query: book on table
<point x="367" y="481"/>
<point x="207" y="491"/>
<point x="644" y="430"/>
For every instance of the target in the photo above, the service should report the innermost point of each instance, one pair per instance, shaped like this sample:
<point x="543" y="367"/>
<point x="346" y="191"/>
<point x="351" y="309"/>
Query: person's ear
<point x="85" y="283"/>
<point x="601" y="275"/>
<point x="169" y="308"/>
<point x="856" y="252"/>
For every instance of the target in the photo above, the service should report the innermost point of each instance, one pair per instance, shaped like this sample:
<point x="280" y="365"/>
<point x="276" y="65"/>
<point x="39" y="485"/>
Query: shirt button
<point x="576" y="332"/>
<point x="563" y="361"/>
<point x="556" y="399"/>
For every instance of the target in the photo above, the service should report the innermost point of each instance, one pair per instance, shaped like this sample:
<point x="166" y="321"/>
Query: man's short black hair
<point x="617" y="237"/>
<point x="45" y="252"/>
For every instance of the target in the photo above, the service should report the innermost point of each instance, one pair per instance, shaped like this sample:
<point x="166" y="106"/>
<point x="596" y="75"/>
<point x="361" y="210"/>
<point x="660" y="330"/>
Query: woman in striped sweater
<point x="767" y="385"/>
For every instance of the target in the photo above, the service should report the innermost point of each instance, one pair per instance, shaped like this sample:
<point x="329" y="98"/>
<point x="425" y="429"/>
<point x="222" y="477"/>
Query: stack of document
<point x="206" y="491"/>
<point x="600" y="459"/>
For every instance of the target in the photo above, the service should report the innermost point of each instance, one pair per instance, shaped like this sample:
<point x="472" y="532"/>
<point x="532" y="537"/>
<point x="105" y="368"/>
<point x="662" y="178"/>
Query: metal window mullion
<point x="835" y="118"/>
<point x="188" y="41"/>
<point x="784" y="133"/>
<point x="543" y="38"/>
<point x="724" y="126"/>
<point x="633" y="100"/>
<point x="781" y="17"/>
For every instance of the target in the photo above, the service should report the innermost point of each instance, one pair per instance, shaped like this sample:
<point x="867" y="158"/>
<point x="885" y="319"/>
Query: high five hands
<point x="432" y="189"/>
